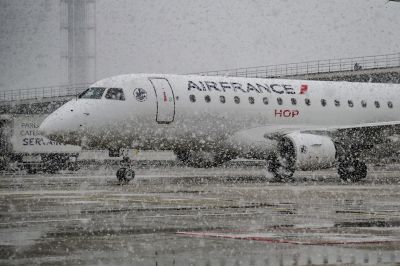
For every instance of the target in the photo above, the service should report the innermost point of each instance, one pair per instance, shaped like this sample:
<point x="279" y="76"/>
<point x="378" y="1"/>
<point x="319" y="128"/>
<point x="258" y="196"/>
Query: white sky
<point x="181" y="36"/>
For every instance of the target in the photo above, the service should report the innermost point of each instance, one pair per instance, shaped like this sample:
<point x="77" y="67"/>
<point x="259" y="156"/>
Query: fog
<point x="226" y="189"/>
<point x="189" y="36"/>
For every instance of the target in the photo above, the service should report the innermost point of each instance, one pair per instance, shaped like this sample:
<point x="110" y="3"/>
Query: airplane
<point x="208" y="120"/>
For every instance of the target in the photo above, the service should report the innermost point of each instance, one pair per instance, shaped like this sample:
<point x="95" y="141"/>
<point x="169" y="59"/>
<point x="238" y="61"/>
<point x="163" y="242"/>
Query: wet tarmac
<point x="174" y="215"/>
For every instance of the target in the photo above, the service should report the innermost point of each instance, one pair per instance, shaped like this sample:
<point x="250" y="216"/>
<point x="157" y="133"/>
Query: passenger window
<point x="207" y="98"/>
<point x="251" y="100"/>
<point x="279" y="100"/>
<point x="192" y="98"/>
<point x="390" y="104"/>
<point x="377" y="104"/>
<point x="363" y="103"/>
<point x="307" y="101"/>
<point x="337" y="103"/>
<point x="294" y="101"/>
<point x="323" y="102"/>
<point x="222" y="99"/>
<point x="115" y="94"/>
<point x="265" y="100"/>
<point x="350" y="102"/>
<point x="92" y="93"/>
<point x="236" y="99"/>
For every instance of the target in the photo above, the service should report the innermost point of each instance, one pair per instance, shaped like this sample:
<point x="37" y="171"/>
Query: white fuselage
<point x="172" y="111"/>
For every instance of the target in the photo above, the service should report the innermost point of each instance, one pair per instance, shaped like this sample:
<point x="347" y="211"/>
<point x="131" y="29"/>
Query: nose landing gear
<point x="126" y="172"/>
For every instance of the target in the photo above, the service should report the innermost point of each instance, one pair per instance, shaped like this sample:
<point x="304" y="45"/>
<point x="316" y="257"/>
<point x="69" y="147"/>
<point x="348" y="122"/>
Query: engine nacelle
<point x="307" y="151"/>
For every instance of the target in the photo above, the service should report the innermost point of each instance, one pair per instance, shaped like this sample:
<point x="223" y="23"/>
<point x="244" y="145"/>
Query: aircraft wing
<point x="359" y="135"/>
<point x="274" y="132"/>
<point x="395" y="125"/>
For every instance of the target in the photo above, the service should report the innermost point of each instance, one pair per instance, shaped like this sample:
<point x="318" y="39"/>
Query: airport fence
<point x="270" y="71"/>
<point x="42" y="93"/>
<point x="312" y="67"/>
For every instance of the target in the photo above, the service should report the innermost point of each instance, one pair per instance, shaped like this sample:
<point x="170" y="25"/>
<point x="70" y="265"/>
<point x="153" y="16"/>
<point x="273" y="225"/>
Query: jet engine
<point x="307" y="151"/>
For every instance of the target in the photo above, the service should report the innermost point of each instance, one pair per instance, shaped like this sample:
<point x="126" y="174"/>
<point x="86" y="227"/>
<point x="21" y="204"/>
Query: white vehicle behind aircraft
<point x="22" y="145"/>
<point x="206" y="120"/>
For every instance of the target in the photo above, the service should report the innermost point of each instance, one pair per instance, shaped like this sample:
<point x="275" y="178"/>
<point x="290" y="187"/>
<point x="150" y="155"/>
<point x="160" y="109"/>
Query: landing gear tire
<point x="124" y="175"/>
<point x="281" y="170"/>
<point x="353" y="171"/>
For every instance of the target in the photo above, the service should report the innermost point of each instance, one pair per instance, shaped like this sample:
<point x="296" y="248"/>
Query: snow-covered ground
<point x="181" y="216"/>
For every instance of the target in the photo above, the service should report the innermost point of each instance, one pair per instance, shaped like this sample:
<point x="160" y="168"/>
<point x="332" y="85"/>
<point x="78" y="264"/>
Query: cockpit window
<point x="115" y="94"/>
<point x="92" y="93"/>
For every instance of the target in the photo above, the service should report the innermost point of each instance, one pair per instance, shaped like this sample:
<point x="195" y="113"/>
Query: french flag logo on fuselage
<point x="303" y="88"/>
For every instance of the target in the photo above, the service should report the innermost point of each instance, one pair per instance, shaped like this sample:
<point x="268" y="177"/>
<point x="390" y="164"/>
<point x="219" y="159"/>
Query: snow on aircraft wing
<point x="372" y="133"/>
<point x="365" y="126"/>
<point x="364" y="135"/>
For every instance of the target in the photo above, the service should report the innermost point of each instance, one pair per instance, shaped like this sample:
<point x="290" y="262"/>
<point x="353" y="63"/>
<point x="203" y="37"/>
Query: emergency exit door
<point x="165" y="100"/>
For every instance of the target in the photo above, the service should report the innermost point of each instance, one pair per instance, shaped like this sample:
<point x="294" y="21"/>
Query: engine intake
<point x="307" y="151"/>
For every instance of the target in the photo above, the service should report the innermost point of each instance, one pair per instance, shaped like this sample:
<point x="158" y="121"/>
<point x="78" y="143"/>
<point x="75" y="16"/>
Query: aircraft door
<point x="165" y="100"/>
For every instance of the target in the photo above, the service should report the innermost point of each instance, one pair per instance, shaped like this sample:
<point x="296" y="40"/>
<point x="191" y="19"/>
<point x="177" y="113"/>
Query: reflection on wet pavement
<point x="183" y="216"/>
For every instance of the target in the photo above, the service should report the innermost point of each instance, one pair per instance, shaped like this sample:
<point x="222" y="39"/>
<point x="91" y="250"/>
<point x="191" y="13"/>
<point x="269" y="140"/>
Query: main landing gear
<point x="126" y="172"/>
<point x="351" y="166"/>
<point x="352" y="170"/>
<point x="281" y="168"/>
<point x="282" y="164"/>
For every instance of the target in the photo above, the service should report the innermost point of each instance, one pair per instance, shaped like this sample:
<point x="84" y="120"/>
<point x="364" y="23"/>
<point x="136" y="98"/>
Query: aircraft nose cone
<point x="47" y="128"/>
<point x="59" y="121"/>
<point x="65" y="125"/>
<point x="53" y="128"/>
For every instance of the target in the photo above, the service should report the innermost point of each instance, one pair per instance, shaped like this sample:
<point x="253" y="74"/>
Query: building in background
<point x="78" y="41"/>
